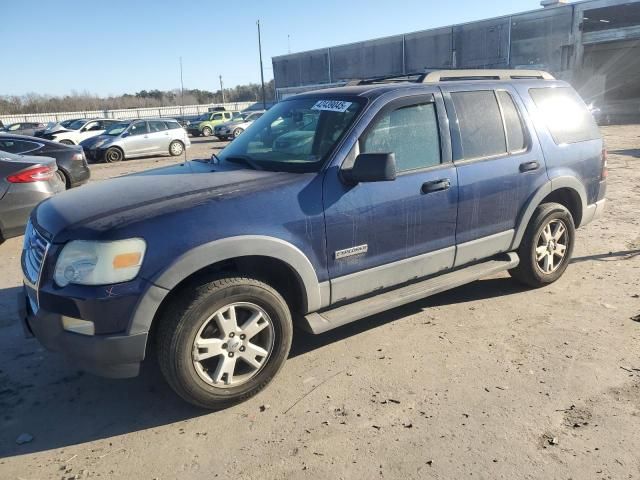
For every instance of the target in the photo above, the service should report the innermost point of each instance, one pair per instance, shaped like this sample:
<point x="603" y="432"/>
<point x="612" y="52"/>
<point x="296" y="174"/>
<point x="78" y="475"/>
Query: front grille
<point x="33" y="253"/>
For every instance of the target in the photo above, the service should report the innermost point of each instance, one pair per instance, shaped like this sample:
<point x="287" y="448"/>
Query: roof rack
<point x="411" y="77"/>
<point x="445" y="75"/>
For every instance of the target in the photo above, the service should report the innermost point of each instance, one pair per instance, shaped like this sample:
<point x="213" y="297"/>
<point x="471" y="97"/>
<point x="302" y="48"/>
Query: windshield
<point x="294" y="135"/>
<point x="76" y="124"/>
<point x="116" y="129"/>
<point x="204" y="117"/>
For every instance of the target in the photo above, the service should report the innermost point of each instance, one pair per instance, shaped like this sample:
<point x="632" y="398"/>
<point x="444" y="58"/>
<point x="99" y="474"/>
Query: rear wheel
<point x="63" y="179"/>
<point x="547" y="246"/>
<point x="113" y="155"/>
<point x="225" y="341"/>
<point x="67" y="142"/>
<point x="206" y="132"/>
<point x="176" y="148"/>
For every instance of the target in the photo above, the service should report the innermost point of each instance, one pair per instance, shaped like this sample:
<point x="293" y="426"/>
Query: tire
<point x="176" y="148"/>
<point x="196" y="316"/>
<point x="66" y="142"/>
<point x="206" y="132"/>
<point x="113" y="155"/>
<point x="237" y="132"/>
<point x="542" y="261"/>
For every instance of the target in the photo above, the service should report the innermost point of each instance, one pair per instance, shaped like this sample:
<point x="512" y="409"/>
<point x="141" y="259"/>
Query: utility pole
<point x="222" y="89"/>
<point x="181" y="89"/>
<point x="264" y="100"/>
<point x="288" y="43"/>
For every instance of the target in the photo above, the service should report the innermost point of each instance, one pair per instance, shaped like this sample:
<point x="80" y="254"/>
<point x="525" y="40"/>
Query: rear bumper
<point x="114" y="356"/>
<point x="593" y="212"/>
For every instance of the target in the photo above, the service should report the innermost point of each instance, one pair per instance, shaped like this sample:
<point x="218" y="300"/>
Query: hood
<point x="93" y="141"/>
<point x="94" y="209"/>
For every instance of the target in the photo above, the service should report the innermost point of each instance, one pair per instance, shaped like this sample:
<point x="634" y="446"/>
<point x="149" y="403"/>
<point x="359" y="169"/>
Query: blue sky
<point x="125" y="45"/>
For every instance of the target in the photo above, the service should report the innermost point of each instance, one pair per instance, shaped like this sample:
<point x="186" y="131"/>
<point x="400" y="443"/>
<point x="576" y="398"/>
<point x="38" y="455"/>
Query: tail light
<point x="33" y="174"/>
<point x="78" y="156"/>
<point x="604" y="173"/>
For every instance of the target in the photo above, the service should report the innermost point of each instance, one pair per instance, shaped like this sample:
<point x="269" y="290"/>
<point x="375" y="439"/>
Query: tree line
<point x="80" y="101"/>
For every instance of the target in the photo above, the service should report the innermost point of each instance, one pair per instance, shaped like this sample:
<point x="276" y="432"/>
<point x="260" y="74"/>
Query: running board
<point x="320" y="322"/>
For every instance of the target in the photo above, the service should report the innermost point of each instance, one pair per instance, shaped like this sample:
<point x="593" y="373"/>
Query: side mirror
<point x="125" y="134"/>
<point x="372" y="167"/>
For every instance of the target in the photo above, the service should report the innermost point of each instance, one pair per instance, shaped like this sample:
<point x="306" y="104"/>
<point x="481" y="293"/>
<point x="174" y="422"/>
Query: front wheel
<point x="225" y="341"/>
<point x="547" y="246"/>
<point x="113" y="155"/>
<point x="206" y="132"/>
<point x="237" y="132"/>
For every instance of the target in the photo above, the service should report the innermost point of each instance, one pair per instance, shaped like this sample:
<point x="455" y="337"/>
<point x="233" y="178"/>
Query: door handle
<point x="529" y="166"/>
<point x="436" y="185"/>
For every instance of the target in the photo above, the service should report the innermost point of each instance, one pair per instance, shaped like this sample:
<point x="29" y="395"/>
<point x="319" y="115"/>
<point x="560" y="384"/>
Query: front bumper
<point x="114" y="356"/>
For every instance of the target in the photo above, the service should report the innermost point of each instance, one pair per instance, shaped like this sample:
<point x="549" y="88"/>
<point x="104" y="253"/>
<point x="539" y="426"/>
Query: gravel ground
<point x="489" y="380"/>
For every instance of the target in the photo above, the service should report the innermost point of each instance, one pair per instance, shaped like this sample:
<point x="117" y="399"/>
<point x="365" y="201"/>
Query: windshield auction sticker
<point x="331" y="105"/>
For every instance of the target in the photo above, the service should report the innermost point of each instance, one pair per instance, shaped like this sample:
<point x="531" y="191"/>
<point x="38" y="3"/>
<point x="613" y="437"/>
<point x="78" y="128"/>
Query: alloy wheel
<point x="551" y="246"/>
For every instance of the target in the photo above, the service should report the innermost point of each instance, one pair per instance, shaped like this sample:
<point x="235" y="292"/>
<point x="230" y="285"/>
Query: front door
<point x="500" y="166"/>
<point x="383" y="234"/>
<point x="138" y="141"/>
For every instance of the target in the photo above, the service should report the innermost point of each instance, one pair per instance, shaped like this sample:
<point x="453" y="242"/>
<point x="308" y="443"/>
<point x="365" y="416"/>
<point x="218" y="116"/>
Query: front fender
<point x="317" y="295"/>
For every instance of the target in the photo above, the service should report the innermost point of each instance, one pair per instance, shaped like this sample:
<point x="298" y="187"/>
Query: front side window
<point x="138" y="128"/>
<point x="480" y="124"/>
<point x="92" y="126"/>
<point x="565" y="114"/>
<point x="411" y="133"/>
<point x="295" y="135"/>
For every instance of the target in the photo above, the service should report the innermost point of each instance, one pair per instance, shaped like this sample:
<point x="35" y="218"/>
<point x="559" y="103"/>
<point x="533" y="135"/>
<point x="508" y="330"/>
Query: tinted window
<point x="411" y="133"/>
<point x="480" y="122"/>
<point x="565" y="114"/>
<point x="138" y="128"/>
<point x="157" y="126"/>
<point x="17" y="146"/>
<point x="217" y="116"/>
<point x="92" y="126"/>
<point x="512" y="122"/>
<point x="171" y="124"/>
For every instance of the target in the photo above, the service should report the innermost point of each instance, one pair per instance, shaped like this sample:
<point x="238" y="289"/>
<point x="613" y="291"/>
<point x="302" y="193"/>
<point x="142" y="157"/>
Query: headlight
<point x="99" y="263"/>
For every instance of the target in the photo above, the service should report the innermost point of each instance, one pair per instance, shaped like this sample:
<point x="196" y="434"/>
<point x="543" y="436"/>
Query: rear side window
<point x="565" y="114"/>
<point x="17" y="146"/>
<point x="171" y="124"/>
<point x="411" y="133"/>
<point x="157" y="126"/>
<point x="516" y="140"/>
<point x="480" y="123"/>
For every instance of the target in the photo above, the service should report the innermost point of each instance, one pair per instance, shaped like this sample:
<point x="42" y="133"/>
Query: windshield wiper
<point x="246" y="159"/>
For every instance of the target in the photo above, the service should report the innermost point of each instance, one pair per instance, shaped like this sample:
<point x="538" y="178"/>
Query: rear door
<point x="381" y="234"/>
<point x="500" y="166"/>
<point x="159" y="133"/>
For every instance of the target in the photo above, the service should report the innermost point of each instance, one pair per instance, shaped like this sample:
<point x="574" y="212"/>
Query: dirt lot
<point x="487" y="381"/>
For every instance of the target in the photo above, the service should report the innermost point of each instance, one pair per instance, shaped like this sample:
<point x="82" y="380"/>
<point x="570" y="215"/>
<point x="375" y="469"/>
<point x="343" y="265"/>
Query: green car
<point x="205" y="123"/>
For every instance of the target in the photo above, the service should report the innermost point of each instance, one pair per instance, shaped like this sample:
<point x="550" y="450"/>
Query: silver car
<point x="232" y="129"/>
<point x="137" y="138"/>
<point x="24" y="182"/>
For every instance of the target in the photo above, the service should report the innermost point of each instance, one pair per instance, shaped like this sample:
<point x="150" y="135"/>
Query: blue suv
<point x="333" y="206"/>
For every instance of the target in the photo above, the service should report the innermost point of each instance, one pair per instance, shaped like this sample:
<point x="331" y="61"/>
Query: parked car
<point x="205" y="123"/>
<point x="52" y="127"/>
<point x="23" y="128"/>
<point x="70" y="159"/>
<point x="408" y="189"/>
<point x="79" y="130"/>
<point x="234" y="128"/>
<point x="137" y="138"/>
<point x="25" y="181"/>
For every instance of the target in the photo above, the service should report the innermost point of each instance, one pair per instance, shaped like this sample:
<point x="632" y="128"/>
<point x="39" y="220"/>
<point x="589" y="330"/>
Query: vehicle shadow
<point x="608" y="257"/>
<point x="41" y="394"/>
<point x="304" y="342"/>
<point x="632" y="152"/>
<point x="8" y="306"/>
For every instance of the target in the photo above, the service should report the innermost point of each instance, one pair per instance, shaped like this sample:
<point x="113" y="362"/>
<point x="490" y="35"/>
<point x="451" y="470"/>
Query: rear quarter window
<point x="565" y="114"/>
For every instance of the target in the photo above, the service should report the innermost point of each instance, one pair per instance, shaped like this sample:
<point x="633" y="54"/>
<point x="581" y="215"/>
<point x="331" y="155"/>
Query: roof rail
<point x="444" y="75"/>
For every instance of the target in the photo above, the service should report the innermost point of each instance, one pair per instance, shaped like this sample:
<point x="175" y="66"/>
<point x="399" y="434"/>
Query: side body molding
<point x="317" y="294"/>
<point x="554" y="184"/>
